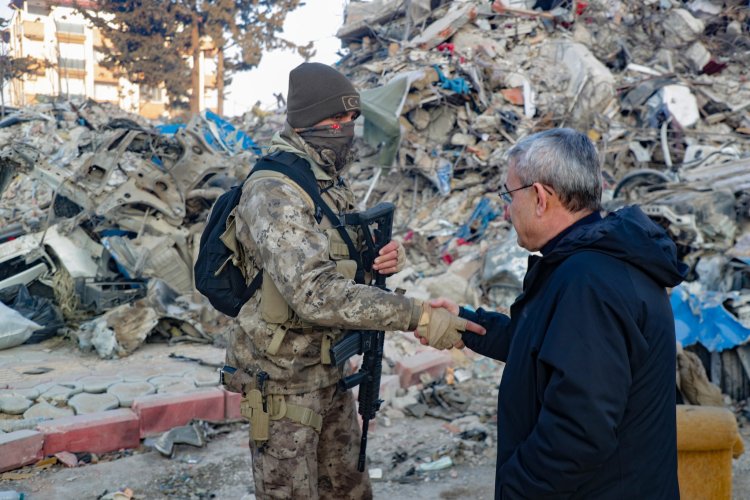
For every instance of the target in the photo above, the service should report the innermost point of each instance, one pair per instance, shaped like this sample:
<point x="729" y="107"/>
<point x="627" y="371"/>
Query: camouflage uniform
<point x="308" y="299"/>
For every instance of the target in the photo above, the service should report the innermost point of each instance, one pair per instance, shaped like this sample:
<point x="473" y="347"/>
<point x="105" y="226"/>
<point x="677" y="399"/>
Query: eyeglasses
<point x="505" y="195"/>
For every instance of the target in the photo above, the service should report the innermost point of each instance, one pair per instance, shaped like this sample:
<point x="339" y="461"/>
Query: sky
<point x="317" y="21"/>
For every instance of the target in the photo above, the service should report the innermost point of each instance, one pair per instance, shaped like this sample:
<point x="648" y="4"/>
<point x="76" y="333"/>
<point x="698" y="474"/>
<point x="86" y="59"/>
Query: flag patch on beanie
<point x="350" y="102"/>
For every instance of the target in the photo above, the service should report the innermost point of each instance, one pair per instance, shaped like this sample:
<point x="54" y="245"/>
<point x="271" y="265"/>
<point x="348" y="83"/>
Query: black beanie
<point x="316" y="92"/>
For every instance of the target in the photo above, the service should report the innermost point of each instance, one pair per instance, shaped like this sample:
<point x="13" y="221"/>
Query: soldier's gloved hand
<point x="440" y="328"/>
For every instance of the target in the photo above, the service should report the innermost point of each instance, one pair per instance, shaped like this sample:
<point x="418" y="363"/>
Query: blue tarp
<point x="704" y="319"/>
<point x="479" y="220"/>
<point x="219" y="134"/>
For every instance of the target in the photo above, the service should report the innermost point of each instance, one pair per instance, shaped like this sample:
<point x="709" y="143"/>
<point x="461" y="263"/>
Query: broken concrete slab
<point x="682" y="26"/>
<point x="591" y="85"/>
<point x="445" y="27"/>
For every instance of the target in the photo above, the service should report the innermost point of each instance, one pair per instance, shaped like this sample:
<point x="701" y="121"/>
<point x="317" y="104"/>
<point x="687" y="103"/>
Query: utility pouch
<point x="251" y="408"/>
<point x="273" y="307"/>
<point x="325" y="348"/>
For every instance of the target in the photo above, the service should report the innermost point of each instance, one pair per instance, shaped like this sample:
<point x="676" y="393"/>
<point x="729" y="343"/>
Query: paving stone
<point x="180" y="387"/>
<point x="161" y="381"/>
<point x="41" y="388"/>
<point x="21" y="424"/>
<point x="206" y="379"/>
<point x="28" y="393"/>
<point x="61" y="393"/>
<point x="126" y="392"/>
<point x="95" y="384"/>
<point x="14" y="405"/>
<point x="92" y="403"/>
<point x="46" y="410"/>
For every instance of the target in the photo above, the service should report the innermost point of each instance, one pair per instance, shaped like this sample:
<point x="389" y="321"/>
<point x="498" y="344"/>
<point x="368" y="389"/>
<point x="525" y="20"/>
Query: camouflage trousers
<point x="297" y="462"/>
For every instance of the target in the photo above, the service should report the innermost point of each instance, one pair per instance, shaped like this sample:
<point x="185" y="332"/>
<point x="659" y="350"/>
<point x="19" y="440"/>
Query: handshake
<point x="440" y="327"/>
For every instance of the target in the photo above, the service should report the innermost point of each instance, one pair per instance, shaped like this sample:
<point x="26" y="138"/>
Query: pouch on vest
<point x="273" y="307"/>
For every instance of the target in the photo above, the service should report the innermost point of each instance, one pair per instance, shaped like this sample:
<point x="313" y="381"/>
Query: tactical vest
<point x="273" y="308"/>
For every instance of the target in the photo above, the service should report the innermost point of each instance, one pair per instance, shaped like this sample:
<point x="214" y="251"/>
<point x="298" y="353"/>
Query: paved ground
<point x="222" y="468"/>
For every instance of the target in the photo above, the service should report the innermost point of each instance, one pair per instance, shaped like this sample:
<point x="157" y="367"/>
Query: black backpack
<point x="216" y="277"/>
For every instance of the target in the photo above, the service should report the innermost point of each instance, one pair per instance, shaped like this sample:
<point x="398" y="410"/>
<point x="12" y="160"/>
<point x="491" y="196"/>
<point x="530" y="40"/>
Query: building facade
<point x="55" y="32"/>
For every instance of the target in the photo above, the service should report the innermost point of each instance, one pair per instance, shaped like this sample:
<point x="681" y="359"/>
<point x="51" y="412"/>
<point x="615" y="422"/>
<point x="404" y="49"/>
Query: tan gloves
<point x="441" y="328"/>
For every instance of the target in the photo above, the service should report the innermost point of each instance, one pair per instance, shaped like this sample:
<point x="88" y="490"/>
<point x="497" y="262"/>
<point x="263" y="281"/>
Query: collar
<point x="289" y="140"/>
<point x="589" y="219"/>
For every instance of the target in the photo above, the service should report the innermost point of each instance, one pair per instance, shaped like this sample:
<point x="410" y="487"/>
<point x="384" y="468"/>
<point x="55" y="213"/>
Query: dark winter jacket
<point x="587" y="399"/>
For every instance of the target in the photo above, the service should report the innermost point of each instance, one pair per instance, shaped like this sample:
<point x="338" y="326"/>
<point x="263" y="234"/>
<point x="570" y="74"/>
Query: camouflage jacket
<point x="279" y="234"/>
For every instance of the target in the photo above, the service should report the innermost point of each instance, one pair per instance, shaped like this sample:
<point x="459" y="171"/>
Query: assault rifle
<point x="369" y="343"/>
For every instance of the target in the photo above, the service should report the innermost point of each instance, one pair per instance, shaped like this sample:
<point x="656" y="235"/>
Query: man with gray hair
<point x="586" y="407"/>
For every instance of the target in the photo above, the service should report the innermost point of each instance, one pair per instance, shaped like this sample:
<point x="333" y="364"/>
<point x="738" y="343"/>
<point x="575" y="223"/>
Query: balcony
<point x="70" y="32"/>
<point x="33" y="30"/>
<point x="75" y="68"/>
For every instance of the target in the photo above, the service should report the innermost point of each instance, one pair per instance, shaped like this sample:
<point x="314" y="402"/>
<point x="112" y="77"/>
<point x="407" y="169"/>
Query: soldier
<point x="304" y="429"/>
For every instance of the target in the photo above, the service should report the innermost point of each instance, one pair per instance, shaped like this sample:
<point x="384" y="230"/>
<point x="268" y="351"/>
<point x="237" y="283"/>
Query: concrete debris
<point x="192" y="434"/>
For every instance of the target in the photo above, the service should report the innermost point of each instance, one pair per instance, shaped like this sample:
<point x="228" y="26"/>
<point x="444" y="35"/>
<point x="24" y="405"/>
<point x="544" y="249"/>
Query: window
<point x="71" y="28"/>
<point x="71" y="64"/>
<point x="106" y="92"/>
<point x="72" y="51"/>
<point x="152" y="94"/>
<point x="73" y="87"/>
<point x="38" y="9"/>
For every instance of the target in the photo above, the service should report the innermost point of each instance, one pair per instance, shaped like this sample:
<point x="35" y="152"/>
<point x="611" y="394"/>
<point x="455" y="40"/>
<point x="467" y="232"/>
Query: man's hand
<point x="391" y="258"/>
<point x="452" y="307"/>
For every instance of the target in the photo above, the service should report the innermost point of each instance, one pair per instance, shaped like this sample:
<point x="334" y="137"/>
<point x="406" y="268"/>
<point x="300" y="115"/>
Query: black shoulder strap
<point x="298" y="170"/>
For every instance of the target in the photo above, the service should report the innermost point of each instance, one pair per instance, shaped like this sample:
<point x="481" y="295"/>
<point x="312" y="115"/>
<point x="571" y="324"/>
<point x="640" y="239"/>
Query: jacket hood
<point x="628" y="235"/>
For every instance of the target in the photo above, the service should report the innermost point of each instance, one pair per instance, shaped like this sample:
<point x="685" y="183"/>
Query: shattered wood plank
<point x="444" y="28"/>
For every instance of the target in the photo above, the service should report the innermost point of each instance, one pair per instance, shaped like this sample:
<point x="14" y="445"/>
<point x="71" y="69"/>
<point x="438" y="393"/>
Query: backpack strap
<point x="298" y="170"/>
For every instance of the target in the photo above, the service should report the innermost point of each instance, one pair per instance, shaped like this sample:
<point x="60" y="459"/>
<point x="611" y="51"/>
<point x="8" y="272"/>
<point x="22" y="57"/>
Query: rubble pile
<point x="100" y="228"/>
<point x="101" y="214"/>
<point x="660" y="86"/>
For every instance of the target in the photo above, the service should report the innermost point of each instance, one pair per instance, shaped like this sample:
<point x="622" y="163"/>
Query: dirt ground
<point x="222" y="470"/>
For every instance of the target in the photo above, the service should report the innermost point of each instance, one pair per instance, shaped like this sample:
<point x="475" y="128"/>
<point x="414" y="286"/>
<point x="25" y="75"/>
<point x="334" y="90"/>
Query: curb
<point x="115" y="430"/>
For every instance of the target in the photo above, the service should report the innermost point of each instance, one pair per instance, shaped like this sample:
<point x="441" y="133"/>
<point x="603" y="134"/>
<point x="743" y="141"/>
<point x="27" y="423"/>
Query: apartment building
<point x="54" y="31"/>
